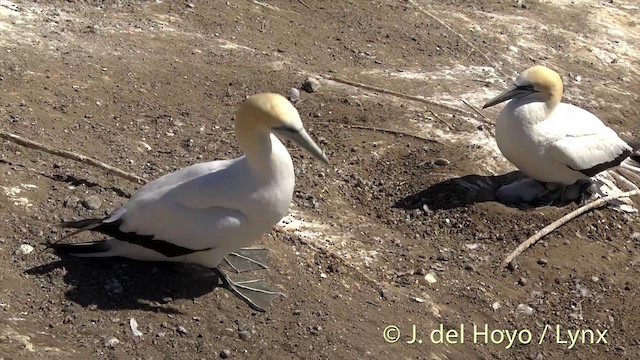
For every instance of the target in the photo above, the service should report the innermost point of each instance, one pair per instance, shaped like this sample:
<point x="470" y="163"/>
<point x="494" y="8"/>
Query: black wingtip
<point x="80" y="248"/>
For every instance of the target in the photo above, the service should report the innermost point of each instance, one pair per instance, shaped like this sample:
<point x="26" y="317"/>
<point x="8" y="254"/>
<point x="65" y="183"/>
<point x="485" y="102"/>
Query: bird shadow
<point x="118" y="283"/>
<point x="464" y="191"/>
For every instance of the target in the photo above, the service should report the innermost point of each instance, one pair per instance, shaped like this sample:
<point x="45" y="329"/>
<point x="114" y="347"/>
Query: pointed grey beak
<point x="302" y="138"/>
<point x="511" y="92"/>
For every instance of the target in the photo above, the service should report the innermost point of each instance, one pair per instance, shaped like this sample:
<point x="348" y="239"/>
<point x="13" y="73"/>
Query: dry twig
<point x="72" y="156"/>
<point x="305" y="5"/>
<point x="478" y="112"/>
<point x="389" y="131"/>
<point x="393" y="93"/>
<point x="563" y="220"/>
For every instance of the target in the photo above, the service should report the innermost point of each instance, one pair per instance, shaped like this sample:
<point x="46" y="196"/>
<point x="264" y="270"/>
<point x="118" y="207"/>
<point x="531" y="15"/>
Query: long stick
<point x="563" y="220"/>
<point x="389" y="131"/>
<point x="72" y="156"/>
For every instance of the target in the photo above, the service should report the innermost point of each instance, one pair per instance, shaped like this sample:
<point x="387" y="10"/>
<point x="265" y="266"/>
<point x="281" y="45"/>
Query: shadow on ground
<point x="459" y="192"/>
<point x="115" y="283"/>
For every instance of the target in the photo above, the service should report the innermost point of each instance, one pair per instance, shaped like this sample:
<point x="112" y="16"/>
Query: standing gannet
<point x="205" y="213"/>
<point x="550" y="141"/>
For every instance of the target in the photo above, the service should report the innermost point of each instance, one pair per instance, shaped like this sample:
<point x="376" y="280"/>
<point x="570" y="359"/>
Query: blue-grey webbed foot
<point x="246" y="259"/>
<point x="256" y="293"/>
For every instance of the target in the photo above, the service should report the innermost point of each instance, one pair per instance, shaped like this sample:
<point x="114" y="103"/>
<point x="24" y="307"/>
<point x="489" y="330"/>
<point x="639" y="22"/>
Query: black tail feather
<point x="80" y="248"/>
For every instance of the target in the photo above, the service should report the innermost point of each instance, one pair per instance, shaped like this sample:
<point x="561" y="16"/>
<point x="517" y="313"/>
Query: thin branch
<point x="393" y="93"/>
<point x="389" y="131"/>
<point x="72" y="156"/>
<point x="441" y="119"/>
<point x="478" y="112"/>
<point x="563" y="220"/>
<point x="305" y="5"/>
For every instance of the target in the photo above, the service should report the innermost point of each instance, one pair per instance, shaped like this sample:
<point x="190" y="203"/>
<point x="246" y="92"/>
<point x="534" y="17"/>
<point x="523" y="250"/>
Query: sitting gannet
<point x="550" y="141"/>
<point x="205" y="213"/>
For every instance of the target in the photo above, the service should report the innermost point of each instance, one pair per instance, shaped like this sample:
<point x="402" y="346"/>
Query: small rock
<point x="512" y="266"/>
<point x="522" y="281"/>
<point x="71" y="201"/>
<point x="297" y="312"/>
<point x="384" y="293"/>
<point x="112" y="342"/>
<point x="161" y="334"/>
<point x="311" y="85"/>
<point x="430" y="278"/>
<point x="472" y="246"/>
<point x="92" y="202"/>
<point x="443" y="257"/>
<point x="294" y="95"/>
<point x="244" y="335"/>
<point x="23" y="249"/>
<point x="542" y="261"/>
<point x="469" y="267"/>
<point x="225" y="354"/>
<point x="182" y="330"/>
<point x="315" y="329"/>
<point x="496" y="305"/>
<point x="595" y="278"/>
<point x="525" y="309"/>
<point x="113" y="286"/>
<point x="442" y="162"/>
<point x="635" y="236"/>
<point x="419" y="300"/>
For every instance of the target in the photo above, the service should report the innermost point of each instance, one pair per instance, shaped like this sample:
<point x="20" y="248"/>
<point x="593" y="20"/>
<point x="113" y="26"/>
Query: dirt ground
<point x="397" y="231"/>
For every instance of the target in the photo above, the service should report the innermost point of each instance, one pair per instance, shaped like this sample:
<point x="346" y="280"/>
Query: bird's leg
<point x="550" y="195"/>
<point x="247" y="259"/>
<point x="256" y="293"/>
<point x="586" y="189"/>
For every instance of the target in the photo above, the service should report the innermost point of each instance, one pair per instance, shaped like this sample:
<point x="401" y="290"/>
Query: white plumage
<point x="550" y="141"/>
<point x="203" y="213"/>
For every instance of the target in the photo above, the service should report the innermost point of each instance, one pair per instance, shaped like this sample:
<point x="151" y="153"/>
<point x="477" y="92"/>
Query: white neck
<point x="531" y="110"/>
<point x="263" y="151"/>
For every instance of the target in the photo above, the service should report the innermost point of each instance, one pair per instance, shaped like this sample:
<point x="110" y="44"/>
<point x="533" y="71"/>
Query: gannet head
<point x="537" y="82"/>
<point x="274" y="113"/>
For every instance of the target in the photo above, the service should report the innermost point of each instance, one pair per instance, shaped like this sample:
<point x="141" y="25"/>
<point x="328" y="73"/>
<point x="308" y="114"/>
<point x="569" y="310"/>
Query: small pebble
<point x="311" y="85"/>
<point x="244" y="335"/>
<point x="443" y="257"/>
<point x="294" y="95"/>
<point x="522" y="281"/>
<point x="512" y="266"/>
<point x="182" y="330"/>
<point x="23" y="249"/>
<point x="112" y="342"/>
<point x="297" y="312"/>
<point x="430" y="278"/>
<point x="525" y="309"/>
<point x="71" y="202"/>
<point x="496" y="305"/>
<point x="635" y="236"/>
<point x="92" y="202"/>
<point x="594" y="279"/>
<point x="542" y="261"/>
<point x="225" y="354"/>
<point x="442" y="162"/>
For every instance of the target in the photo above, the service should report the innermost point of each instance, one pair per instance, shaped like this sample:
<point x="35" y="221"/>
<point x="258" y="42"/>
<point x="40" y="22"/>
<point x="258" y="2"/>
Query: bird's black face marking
<point x="528" y="87"/>
<point x="286" y="129"/>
